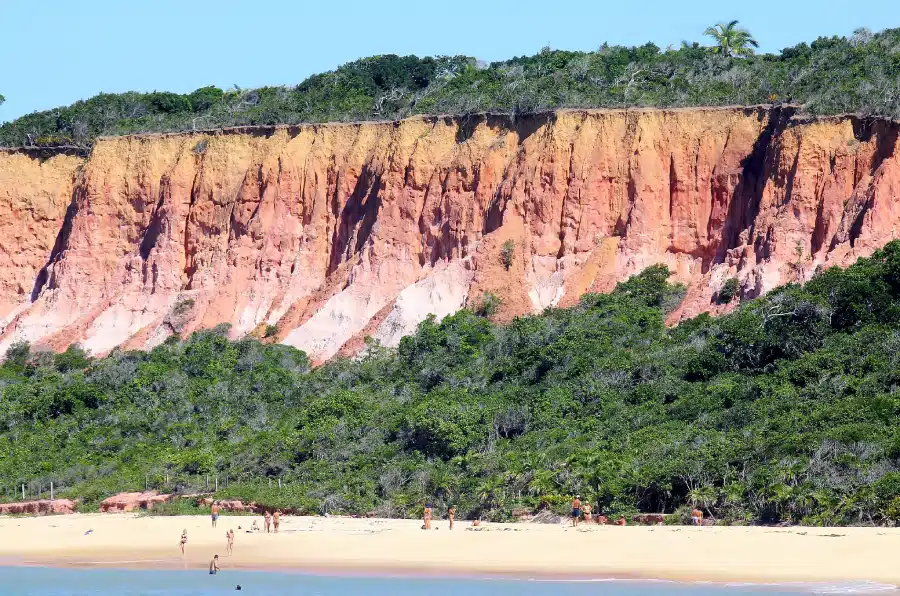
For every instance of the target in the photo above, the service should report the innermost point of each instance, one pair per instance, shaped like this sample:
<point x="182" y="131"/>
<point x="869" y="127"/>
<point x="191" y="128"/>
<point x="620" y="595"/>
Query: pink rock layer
<point x="41" y="507"/>
<point x="331" y="233"/>
<point x="124" y="502"/>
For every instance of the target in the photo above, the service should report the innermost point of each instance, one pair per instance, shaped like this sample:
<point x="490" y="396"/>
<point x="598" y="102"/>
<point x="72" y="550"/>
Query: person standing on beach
<point x="214" y="565"/>
<point x="586" y="512"/>
<point x="268" y="522"/>
<point x="451" y="515"/>
<point x="183" y="540"/>
<point x="576" y="510"/>
<point x="215" y="513"/>
<point x="427" y="516"/>
<point x="229" y="546"/>
<point x="696" y="517"/>
<point x="276" y="519"/>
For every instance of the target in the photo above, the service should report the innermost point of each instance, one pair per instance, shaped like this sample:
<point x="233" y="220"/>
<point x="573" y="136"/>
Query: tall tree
<point x="732" y="40"/>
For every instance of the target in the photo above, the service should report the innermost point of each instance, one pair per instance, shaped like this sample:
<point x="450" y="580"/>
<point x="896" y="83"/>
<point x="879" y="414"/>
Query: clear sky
<point x="58" y="51"/>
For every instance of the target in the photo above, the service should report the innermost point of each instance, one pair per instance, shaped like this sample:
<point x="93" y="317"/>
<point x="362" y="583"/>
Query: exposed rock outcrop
<point x="35" y="191"/>
<point x="41" y="507"/>
<point x="124" y="502"/>
<point x="339" y="231"/>
<point x="650" y="519"/>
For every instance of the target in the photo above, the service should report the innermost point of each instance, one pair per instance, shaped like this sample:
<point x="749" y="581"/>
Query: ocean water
<point x="38" y="581"/>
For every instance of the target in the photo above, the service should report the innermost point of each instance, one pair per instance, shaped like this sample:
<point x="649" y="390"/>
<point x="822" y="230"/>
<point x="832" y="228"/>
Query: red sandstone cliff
<point x="333" y="232"/>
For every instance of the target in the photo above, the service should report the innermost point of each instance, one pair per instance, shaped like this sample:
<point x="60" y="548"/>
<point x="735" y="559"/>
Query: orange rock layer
<point x="335" y="232"/>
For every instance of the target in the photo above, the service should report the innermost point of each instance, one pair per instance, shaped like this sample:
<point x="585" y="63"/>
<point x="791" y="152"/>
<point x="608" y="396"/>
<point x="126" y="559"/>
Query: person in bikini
<point x="183" y="540"/>
<point x="586" y="512"/>
<point x="276" y="519"/>
<point x="576" y="510"/>
<point x="427" y="518"/>
<point x="451" y="515"/>
<point x="229" y="546"/>
<point x="268" y="522"/>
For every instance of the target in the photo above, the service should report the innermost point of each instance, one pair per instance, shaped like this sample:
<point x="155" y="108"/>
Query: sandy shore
<point x="399" y="546"/>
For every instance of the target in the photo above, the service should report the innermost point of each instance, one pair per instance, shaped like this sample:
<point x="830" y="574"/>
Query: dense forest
<point x="828" y="76"/>
<point x="784" y="410"/>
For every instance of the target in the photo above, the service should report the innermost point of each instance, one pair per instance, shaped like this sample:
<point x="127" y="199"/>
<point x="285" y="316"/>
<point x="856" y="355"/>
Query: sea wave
<point x="862" y="587"/>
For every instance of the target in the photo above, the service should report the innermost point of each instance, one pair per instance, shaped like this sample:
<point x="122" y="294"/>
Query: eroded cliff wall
<point x="339" y="231"/>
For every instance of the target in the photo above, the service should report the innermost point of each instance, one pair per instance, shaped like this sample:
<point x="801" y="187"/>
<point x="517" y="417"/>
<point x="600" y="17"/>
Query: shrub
<point x="745" y="414"/>
<point x="487" y="306"/>
<point x="730" y="289"/>
<point x="200" y="147"/>
<point x="831" y="75"/>
<point x="507" y="253"/>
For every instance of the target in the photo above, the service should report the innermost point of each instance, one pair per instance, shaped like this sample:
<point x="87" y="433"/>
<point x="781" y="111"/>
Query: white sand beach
<point x="345" y="545"/>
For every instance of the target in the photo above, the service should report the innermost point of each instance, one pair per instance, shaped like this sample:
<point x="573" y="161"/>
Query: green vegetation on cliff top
<point x="828" y="76"/>
<point x="786" y="409"/>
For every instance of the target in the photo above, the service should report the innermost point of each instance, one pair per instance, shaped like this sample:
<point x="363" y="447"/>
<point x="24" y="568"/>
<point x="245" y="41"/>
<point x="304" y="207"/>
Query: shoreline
<point x="341" y="572"/>
<point x="352" y="547"/>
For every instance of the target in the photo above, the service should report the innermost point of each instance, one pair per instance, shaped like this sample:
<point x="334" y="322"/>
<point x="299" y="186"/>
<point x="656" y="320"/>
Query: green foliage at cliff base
<point x="785" y="410"/>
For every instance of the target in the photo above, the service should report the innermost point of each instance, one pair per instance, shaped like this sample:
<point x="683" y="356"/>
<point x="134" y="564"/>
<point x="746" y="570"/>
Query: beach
<point x="398" y="547"/>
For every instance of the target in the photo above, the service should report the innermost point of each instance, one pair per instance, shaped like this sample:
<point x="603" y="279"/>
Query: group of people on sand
<point x="582" y="511"/>
<point x="271" y="520"/>
<point x="428" y="514"/>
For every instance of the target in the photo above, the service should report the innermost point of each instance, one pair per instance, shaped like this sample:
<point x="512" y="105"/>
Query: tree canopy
<point x="830" y="75"/>
<point x="732" y="40"/>
<point x="785" y="409"/>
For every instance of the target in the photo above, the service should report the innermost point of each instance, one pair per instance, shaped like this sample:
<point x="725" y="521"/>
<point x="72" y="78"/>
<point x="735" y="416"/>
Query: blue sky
<point x="65" y="50"/>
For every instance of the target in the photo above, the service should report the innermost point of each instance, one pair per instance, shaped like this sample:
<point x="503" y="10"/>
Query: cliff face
<point x="34" y="194"/>
<point x="336" y="232"/>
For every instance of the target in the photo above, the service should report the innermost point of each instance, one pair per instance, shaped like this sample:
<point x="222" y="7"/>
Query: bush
<point x="177" y="506"/>
<point x="746" y="414"/>
<point x="831" y="75"/>
<point x="507" y="252"/>
<point x="488" y="305"/>
<point x="730" y="289"/>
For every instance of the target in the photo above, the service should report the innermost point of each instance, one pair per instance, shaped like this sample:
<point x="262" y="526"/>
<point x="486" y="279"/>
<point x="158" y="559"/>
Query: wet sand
<point x="346" y="546"/>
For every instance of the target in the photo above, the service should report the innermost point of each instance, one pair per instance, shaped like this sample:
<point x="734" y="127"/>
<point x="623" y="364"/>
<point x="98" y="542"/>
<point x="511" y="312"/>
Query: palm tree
<point x="732" y="40"/>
